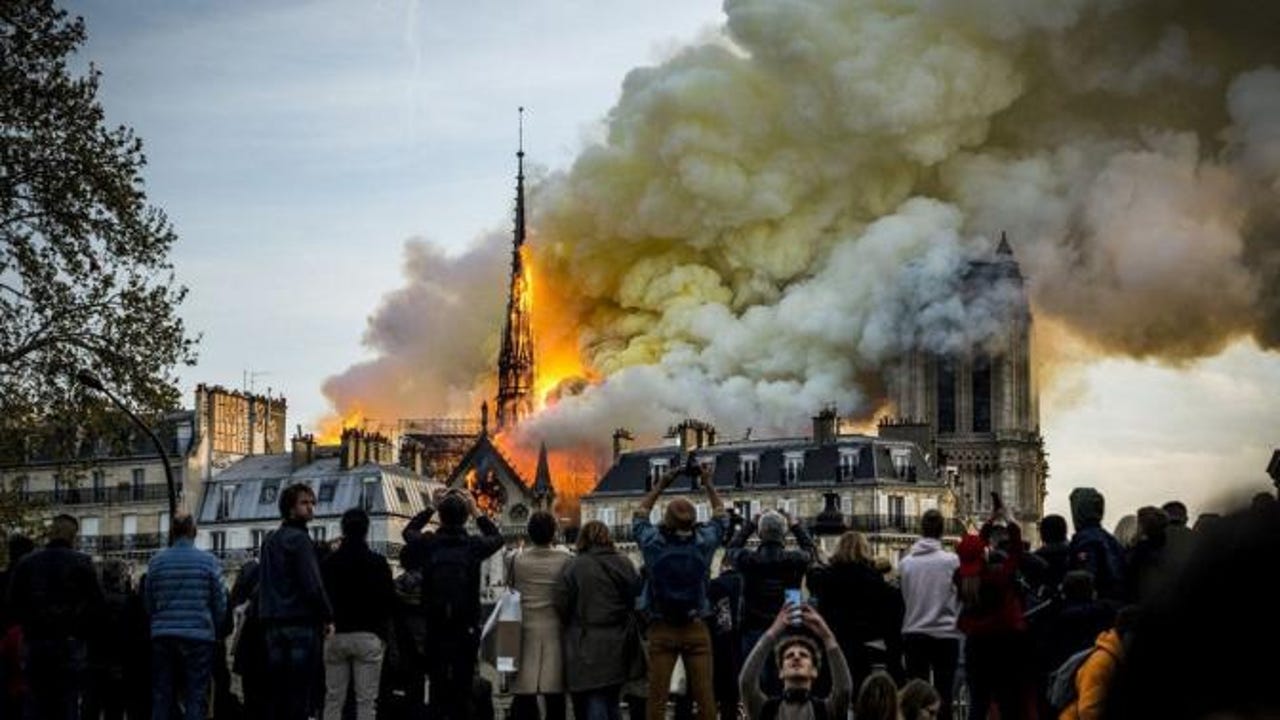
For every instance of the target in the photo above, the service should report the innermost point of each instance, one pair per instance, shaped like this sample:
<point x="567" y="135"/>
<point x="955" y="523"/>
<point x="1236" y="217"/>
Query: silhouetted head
<point x="877" y="699"/>
<point x="931" y="524"/>
<point x="1152" y="523"/>
<point x="453" y="511"/>
<point x="594" y="534"/>
<point x="1053" y="529"/>
<point x="773" y="527"/>
<point x="183" y="525"/>
<point x="1126" y="531"/>
<point x="355" y="525"/>
<point x="679" y="516"/>
<point x="1177" y="513"/>
<point x="1087" y="508"/>
<point x="542" y="528"/>
<point x="919" y="701"/>
<point x="62" y="529"/>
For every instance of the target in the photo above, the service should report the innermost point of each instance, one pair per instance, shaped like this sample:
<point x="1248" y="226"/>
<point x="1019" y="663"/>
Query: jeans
<point x="293" y="662"/>
<point x="177" y="661"/>
<point x="597" y="704"/>
<point x="352" y="657"/>
<point x="55" y="676"/>
<point x="692" y="642"/>
<point x="525" y="707"/>
<point x="925" y="653"/>
<point x="451" y="671"/>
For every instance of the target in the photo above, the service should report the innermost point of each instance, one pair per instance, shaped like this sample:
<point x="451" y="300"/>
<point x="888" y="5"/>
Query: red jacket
<point x="998" y="607"/>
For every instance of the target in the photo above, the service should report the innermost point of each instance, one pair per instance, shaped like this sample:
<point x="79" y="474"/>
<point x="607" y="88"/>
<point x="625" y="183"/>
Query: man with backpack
<point x="678" y="556"/>
<point x="449" y="561"/>
<point x="799" y="663"/>
<point x="1093" y="548"/>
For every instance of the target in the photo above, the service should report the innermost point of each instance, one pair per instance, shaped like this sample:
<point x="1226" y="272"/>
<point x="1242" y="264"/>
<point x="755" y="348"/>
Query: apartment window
<point x="129" y="525"/>
<point x="368" y="489"/>
<point x="99" y="486"/>
<point x="90" y="526"/>
<point x="901" y="463"/>
<point x="402" y="495"/>
<point x="139" y="481"/>
<point x="848" y="463"/>
<point x="218" y="542"/>
<point x="748" y="469"/>
<point x="225" y="501"/>
<point x="256" y="537"/>
<point x="788" y="506"/>
<point x="743" y="509"/>
<point x="755" y="508"/>
<point x="270" y="491"/>
<point x="327" y="490"/>
<point x="897" y="511"/>
<point x="704" y="512"/>
<point x="165" y="522"/>
<point x="793" y="468"/>
<point x="607" y="515"/>
<point x="981" y="386"/>
<point x="657" y="469"/>
<point x="846" y="504"/>
<point x="319" y="533"/>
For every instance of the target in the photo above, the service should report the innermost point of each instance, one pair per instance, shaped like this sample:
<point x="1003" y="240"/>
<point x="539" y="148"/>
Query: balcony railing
<point x="104" y="545"/>
<point x="119" y="495"/>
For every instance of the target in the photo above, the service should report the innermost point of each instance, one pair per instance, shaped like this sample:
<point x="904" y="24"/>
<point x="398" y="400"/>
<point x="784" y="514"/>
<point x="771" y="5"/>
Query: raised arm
<point x="749" y="679"/>
<point x="413" y="530"/>
<point x="841" y="680"/>
<point x="713" y="497"/>
<point x="652" y="496"/>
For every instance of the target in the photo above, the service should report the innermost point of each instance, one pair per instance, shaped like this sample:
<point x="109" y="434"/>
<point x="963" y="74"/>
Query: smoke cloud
<point x="773" y="215"/>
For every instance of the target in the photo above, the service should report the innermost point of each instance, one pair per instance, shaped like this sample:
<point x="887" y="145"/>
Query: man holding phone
<point x="678" y="557"/>
<point x="799" y="662"/>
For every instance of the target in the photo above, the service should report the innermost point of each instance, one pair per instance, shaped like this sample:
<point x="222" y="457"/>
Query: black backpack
<point x="770" y="709"/>
<point x="678" y="581"/>
<point x="450" y="578"/>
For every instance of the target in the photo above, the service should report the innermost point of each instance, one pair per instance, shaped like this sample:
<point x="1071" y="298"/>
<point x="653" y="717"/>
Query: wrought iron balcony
<point x="119" y="495"/>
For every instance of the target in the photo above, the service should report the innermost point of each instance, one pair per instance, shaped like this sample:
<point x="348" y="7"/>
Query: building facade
<point x="977" y="413"/>
<point x="828" y="481"/>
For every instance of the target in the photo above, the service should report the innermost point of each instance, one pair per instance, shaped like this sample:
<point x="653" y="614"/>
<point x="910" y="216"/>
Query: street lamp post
<point x="91" y="381"/>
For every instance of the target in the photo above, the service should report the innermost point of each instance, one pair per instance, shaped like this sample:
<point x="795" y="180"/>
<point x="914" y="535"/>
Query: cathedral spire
<point x="543" y="491"/>
<point x="515" y="363"/>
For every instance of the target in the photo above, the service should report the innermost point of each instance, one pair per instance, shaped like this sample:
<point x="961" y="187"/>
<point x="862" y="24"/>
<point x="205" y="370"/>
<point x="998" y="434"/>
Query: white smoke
<point x="773" y="215"/>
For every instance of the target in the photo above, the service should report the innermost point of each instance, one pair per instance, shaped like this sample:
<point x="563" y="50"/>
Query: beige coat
<point x="536" y="572"/>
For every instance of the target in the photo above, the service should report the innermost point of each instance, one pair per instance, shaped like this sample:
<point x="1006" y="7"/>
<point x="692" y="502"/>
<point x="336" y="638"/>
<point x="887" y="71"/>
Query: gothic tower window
<point x="946" y="396"/>
<point x="981" y="383"/>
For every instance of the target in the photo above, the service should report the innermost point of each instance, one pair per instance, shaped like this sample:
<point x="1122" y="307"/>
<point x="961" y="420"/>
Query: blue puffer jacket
<point x="185" y="594"/>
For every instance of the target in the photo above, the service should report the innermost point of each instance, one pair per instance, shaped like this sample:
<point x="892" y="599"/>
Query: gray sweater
<point x="749" y="685"/>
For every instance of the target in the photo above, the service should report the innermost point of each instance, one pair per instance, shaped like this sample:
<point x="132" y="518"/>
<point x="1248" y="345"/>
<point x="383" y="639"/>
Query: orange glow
<point x="573" y="472"/>
<point x="558" y="364"/>
<point x="330" y="432"/>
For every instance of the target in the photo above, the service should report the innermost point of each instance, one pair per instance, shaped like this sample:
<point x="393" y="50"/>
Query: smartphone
<point x="793" y="599"/>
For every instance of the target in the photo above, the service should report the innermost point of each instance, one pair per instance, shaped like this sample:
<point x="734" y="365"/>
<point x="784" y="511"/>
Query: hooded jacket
<point x="928" y="590"/>
<point x="1093" y="548"/>
<point x="1093" y="677"/>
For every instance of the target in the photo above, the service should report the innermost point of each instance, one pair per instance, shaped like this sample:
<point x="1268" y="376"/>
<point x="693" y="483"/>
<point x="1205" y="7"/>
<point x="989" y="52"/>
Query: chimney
<point x="824" y="426"/>
<point x="303" y="449"/>
<point x="349" y="454"/>
<point x="623" y="441"/>
<point x="693" y="434"/>
<point x="419" y="460"/>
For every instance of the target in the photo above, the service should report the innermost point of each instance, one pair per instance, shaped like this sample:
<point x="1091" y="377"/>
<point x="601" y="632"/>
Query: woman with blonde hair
<point x="864" y="612"/>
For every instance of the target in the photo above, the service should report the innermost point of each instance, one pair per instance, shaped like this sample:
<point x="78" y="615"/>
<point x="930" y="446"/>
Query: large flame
<point x="574" y="471"/>
<point x="559" y="368"/>
<point x="331" y="427"/>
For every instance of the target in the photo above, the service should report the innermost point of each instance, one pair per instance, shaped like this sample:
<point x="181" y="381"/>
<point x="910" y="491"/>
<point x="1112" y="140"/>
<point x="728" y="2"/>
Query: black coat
<point x="424" y="550"/>
<point x="767" y="573"/>
<point x="358" y="582"/>
<point x="290" y="591"/>
<point x="54" y="593"/>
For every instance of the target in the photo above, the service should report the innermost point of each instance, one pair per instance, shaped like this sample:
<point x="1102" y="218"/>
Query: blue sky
<point x="296" y="146"/>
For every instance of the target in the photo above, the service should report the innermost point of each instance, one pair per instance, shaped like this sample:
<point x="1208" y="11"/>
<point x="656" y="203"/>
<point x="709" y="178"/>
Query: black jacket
<point x="767" y="572"/>
<point x="857" y="604"/>
<point x="1057" y="559"/>
<point x="54" y="593"/>
<point x="358" y="582"/>
<point x="425" y="549"/>
<point x="290" y="590"/>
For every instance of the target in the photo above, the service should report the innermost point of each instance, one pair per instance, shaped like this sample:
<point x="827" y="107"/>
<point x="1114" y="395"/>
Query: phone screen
<point x="793" y="599"/>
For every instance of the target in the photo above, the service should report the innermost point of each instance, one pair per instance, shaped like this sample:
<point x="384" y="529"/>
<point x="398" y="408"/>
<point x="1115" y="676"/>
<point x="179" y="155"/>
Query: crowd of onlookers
<point x="1090" y="624"/>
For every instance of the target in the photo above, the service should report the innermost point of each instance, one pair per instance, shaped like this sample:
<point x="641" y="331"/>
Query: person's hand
<point x="781" y="620"/>
<point x="811" y="619"/>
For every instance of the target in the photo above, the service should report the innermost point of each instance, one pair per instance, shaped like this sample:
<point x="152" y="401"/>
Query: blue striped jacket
<point x="185" y="595"/>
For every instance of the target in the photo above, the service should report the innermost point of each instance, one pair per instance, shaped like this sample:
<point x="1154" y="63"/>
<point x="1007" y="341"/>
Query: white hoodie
<point x="926" y="575"/>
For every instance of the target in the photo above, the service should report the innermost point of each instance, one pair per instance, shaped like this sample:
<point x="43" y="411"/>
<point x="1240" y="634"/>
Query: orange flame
<point x="330" y="432"/>
<point x="574" y="471"/>
<point x="558" y="367"/>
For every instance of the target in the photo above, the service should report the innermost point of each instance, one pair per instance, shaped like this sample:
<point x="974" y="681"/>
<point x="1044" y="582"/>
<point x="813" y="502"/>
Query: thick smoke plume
<point x="774" y="215"/>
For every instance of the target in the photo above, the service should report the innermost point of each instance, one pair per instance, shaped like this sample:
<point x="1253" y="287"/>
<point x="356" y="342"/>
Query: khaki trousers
<point x="352" y="658"/>
<point x="692" y="642"/>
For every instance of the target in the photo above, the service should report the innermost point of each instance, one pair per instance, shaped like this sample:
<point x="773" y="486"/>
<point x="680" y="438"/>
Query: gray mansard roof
<point x="630" y="474"/>
<point x="258" y="480"/>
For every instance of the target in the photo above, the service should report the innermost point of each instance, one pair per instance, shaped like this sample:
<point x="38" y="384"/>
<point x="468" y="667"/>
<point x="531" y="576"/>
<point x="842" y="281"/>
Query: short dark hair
<point x="183" y="525"/>
<point x="542" y="528"/>
<point x="453" y="511"/>
<point x="788" y="641"/>
<point x="931" y="524"/>
<point x="594" y="534"/>
<point x="1053" y="529"/>
<point x="1176" y="511"/>
<point x="289" y="497"/>
<point x="355" y="524"/>
<point x="64" y="527"/>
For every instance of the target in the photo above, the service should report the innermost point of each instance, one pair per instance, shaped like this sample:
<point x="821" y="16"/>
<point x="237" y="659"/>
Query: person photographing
<point x="799" y="661"/>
